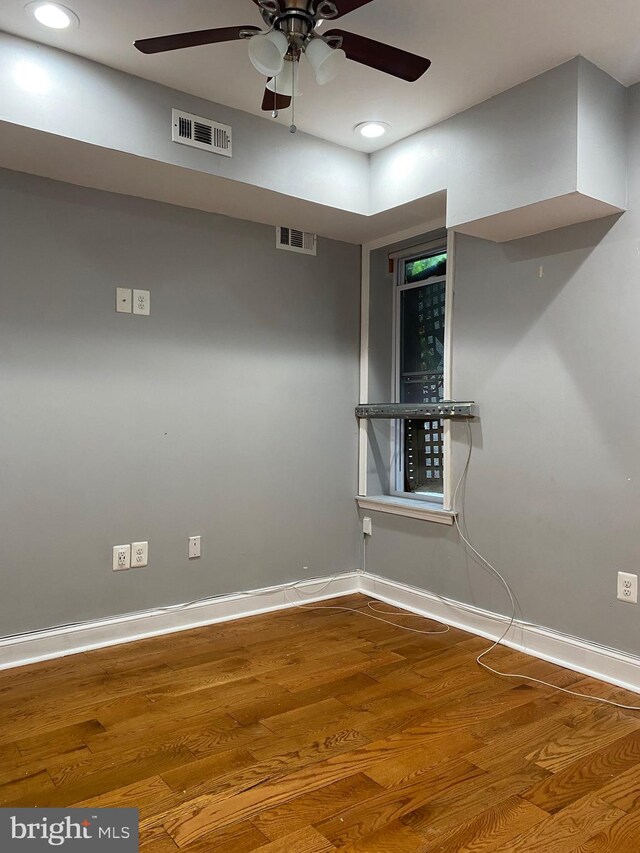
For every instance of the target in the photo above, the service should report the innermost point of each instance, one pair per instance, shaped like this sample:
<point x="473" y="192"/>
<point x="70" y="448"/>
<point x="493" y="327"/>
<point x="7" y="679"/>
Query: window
<point x="419" y="371"/>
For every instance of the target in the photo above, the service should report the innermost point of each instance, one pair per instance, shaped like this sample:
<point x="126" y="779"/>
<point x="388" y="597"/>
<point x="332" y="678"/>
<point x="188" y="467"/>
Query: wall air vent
<point x="293" y="240"/>
<point x="202" y="133"/>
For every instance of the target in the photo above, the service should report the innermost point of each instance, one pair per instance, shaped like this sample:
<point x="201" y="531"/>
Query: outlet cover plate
<point x="628" y="587"/>
<point x="139" y="555"/>
<point x="121" y="558"/>
<point x="141" y="302"/>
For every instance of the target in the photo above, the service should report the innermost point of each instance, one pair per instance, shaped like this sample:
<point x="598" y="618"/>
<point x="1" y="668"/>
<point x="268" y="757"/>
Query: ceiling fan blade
<point x="383" y="57"/>
<point x="346" y="6"/>
<point x="272" y="102"/>
<point x="181" y="40"/>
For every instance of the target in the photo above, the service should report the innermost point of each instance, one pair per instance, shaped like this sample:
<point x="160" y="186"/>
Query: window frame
<point x="396" y="462"/>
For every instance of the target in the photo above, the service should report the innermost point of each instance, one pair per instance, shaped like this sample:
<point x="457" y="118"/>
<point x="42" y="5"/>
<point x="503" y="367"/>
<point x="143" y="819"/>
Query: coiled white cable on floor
<point x="443" y="629"/>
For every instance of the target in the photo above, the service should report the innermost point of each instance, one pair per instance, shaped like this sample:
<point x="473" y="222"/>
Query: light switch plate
<point x="141" y="302"/>
<point x="194" y="547"/>
<point x="123" y="300"/>
<point x="139" y="554"/>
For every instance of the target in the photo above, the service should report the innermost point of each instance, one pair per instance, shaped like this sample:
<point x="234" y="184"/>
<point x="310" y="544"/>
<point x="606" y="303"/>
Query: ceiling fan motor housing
<point x="297" y="18"/>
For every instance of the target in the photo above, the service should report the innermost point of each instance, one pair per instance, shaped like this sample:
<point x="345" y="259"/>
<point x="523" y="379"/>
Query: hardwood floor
<point x="318" y="730"/>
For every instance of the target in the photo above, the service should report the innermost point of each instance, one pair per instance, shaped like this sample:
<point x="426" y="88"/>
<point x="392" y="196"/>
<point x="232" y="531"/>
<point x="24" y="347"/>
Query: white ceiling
<point x="478" y="48"/>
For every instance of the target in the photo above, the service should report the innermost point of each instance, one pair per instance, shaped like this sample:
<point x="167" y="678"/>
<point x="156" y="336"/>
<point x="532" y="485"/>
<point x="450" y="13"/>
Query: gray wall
<point x="227" y="413"/>
<point x="602" y="133"/>
<point x="517" y="148"/>
<point x="542" y="141"/>
<point x="553" y="497"/>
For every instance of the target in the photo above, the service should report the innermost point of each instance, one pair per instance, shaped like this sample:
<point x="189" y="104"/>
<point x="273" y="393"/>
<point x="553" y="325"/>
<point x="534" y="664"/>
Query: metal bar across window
<point x="421" y="411"/>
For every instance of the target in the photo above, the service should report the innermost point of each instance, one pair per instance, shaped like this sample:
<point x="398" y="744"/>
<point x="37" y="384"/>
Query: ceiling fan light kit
<point x="267" y="52"/>
<point x="290" y="35"/>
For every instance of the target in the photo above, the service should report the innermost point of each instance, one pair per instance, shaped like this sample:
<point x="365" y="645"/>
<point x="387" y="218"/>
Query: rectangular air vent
<point x="293" y="240"/>
<point x="202" y="133"/>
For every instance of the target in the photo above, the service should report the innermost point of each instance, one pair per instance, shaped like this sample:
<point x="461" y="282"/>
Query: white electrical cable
<point x="459" y="517"/>
<point x="445" y="628"/>
<point x="402" y="615"/>
<point x="459" y="523"/>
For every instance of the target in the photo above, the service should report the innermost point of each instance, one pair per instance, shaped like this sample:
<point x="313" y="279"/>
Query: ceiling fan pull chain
<point x="293" y="128"/>
<point x="275" y="112"/>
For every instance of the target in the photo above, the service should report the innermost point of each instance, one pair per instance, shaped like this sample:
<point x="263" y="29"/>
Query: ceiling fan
<point x="292" y="30"/>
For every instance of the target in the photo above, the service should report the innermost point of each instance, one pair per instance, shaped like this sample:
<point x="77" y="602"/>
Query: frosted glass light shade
<point x="266" y="52"/>
<point x="285" y="81"/>
<point x="326" y="61"/>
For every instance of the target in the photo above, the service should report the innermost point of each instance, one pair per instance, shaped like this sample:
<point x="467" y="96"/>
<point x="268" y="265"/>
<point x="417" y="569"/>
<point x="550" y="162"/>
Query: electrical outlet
<point x="139" y="554"/>
<point x="367" y="526"/>
<point x="141" y="302"/>
<point x="194" y="547"/>
<point x="123" y="300"/>
<point x="121" y="558"/>
<point x="628" y="587"/>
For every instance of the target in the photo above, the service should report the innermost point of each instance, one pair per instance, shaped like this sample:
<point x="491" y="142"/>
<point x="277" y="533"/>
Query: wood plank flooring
<point x="308" y="731"/>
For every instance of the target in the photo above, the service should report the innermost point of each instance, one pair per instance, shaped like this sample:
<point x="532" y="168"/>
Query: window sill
<point x="407" y="508"/>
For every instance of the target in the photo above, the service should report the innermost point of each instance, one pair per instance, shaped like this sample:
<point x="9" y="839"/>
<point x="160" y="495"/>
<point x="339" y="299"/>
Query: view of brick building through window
<point x="422" y="297"/>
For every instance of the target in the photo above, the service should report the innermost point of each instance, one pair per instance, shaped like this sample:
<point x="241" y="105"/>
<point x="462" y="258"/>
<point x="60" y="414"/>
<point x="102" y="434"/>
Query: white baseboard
<point x="58" y="642"/>
<point x="581" y="656"/>
<point x="606" y="664"/>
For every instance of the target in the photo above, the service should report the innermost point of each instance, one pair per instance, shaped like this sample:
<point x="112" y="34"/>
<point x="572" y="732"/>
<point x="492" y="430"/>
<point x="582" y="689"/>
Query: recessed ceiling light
<point x="371" y="129"/>
<point x="52" y="15"/>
